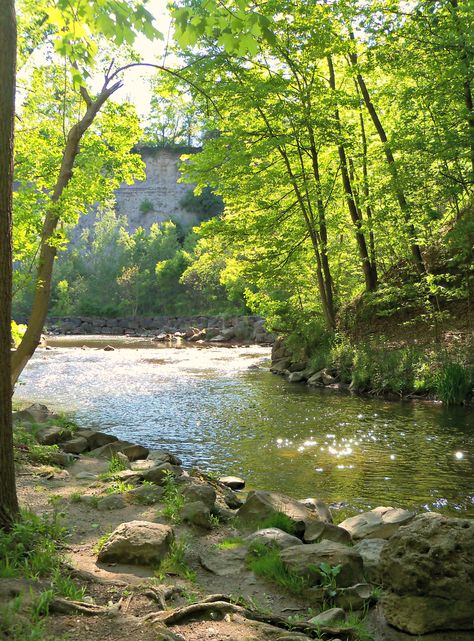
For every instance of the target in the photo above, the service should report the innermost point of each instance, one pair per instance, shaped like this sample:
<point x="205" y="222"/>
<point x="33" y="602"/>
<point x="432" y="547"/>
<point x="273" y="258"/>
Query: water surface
<point x="206" y="405"/>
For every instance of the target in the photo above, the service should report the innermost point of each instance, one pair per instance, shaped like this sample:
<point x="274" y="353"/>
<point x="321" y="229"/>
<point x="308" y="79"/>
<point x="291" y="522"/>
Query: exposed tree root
<point x="83" y="575"/>
<point x="219" y="604"/>
<point x="64" y="606"/>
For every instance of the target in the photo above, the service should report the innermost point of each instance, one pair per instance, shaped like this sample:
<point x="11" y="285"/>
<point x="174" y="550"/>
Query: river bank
<point x="143" y="529"/>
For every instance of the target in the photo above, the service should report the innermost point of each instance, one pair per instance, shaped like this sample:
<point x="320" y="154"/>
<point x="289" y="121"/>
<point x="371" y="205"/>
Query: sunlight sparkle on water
<point x="459" y="455"/>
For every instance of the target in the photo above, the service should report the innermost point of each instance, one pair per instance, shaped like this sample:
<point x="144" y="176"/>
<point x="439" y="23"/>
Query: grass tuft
<point x="264" y="560"/>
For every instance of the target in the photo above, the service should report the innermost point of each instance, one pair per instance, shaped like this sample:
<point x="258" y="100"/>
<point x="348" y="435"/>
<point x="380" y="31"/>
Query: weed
<point x="65" y="586"/>
<point x="214" y="520"/>
<point x="172" y="498"/>
<point x="230" y="543"/>
<point x="119" y="487"/>
<point x="278" y="520"/>
<point x="75" y="497"/>
<point x="175" y="563"/>
<point x="26" y="447"/>
<point x="116" y="464"/>
<point x="264" y="560"/>
<point x="64" y="421"/>
<point x="453" y="383"/>
<point x="329" y="575"/>
<point x="101" y="542"/>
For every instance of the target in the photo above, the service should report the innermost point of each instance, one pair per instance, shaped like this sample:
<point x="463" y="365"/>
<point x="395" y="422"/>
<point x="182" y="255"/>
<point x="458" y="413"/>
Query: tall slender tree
<point x="8" y="498"/>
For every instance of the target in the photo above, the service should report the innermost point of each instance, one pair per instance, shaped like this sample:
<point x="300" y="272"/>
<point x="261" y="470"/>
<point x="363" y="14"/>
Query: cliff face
<point x="159" y="197"/>
<point x="155" y="199"/>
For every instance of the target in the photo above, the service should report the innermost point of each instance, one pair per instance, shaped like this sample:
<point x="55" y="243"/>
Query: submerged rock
<point x="137" y="542"/>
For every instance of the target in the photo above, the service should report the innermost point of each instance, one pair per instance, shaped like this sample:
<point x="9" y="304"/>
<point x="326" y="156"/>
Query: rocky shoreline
<point x="250" y="329"/>
<point x="411" y="573"/>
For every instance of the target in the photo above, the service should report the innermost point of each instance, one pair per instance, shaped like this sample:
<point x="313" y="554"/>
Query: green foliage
<point x="101" y="542"/>
<point x="116" y="464"/>
<point x="119" y="487"/>
<point x="453" y="383"/>
<point x="230" y="543"/>
<point x="329" y="576"/>
<point x="17" y="332"/>
<point x="146" y="206"/>
<point x="175" y="563"/>
<point x="16" y="625"/>
<point x="264" y="560"/>
<point x="172" y="498"/>
<point x="277" y="520"/>
<point x="27" y="448"/>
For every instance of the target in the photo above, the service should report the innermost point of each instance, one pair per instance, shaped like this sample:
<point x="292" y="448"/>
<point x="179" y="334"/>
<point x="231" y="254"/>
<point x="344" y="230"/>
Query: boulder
<point x="316" y="380"/>
<point x="145" y="494"/>
<point x="234" y="482"/>
<point x="319" y="530"/>
<point x="224" y="562"/>
<point x="197" y="513"/>
<point x="304" y="560"/>
<point x="261" y="506"/>
<point x="427" y="569"/>
<point x="296" y="377"/>
<point x="111" y="502"/>
<point x="74" y="445"/>
<point x="137" y="542"/>
<point x="135" y="452"/>
<point x="164" y="456"/>
<point x="379" y="523"/>
<point x="202" y="492"/>
<point x="52" y="435"/>
<point x="322" y="510"/>
<point x="159" y="473"/>
<point x="87" y="464"/>
<point x="328" y="617"/>
<point x="355" y="597"/>
<point x="370" y="550"/>
<point x="273" y="536"/>
<point x="280" y="366"/>
<point x="36" y="413"/>
<point x="110" y="449"/>
<point x="96" y="439"/>
<point x="229" y="497"/>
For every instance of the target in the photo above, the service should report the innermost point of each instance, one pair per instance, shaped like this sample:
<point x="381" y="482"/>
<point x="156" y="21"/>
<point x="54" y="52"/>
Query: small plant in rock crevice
<point x="116" y="464"/>
<point x="277" y="520"/>
<point x="264" y="560"/>
<point x="175" y="562"/>
<point x="172" y="498"/>
<point x="329" y="576"/>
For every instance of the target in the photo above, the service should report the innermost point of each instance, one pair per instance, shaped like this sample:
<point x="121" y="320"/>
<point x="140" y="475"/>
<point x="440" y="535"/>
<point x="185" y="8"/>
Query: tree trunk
<point x="47" y="253"/>
<point x="399" y="193"/>
<point x="8" y="498"/>
<point x="370" y="282"/>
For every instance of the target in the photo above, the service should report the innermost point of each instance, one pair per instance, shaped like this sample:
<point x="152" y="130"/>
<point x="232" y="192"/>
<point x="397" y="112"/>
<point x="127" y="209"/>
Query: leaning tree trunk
<point x="8" y="498"/>
<point x="48" y="250"/>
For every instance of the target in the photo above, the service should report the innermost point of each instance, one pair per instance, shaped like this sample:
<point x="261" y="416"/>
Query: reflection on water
<point x="208" y="407"/>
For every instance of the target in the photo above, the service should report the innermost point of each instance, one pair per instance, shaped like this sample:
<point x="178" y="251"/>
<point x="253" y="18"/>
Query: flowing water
<point x="207" y="406"/>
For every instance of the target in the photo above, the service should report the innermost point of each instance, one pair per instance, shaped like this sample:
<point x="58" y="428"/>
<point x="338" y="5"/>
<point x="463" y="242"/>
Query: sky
<point x="135" y="88"/>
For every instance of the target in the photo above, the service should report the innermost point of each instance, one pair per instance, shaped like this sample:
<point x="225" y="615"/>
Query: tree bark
<point x="370" y="281"/>
<point x="399" y="193"/>
<point x="48" y="251"/>
<point x="8" y="498"/>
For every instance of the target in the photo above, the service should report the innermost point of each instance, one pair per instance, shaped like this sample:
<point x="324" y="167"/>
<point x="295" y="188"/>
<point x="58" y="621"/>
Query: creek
<point x="208" y="407"/>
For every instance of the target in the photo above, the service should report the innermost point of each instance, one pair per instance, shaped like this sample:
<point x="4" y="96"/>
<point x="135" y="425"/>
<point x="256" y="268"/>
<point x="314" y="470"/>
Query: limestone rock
<point x="197" y="513"/>
<point x="234" y="482"/>
<point x="200" y="492"/>
<point x="158" y="473"/>
<point x="230" y="498"/>
<point x="280" y="366"/>
<point x="74" y="445"/>
<point x="145" y="494"/>
<point x="224" y="562"/>
<point x="135" y="452"/>
<point x="52" y="435"/>
<point x="164" y="456"/>
<point x="110" y="449"/>
<point x="379" y="523"/>
<point x="112" y="502"/>
<point x="370" y="550"/>
<point x="137" y="542"/>
<point x="36" y="413"/>
<point x="296" y="377"/>
<point x="305" y="561"/>
<point x="328" y="617"/>
<point x="427" y="569"/>
<point x="322" y="510"/>
<point x="96" y="439"/>
<point x="274" y="536"/>
<point x="261" y="505"/>
<point x="355" y="597"/>
<point x="319" y="530"/>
